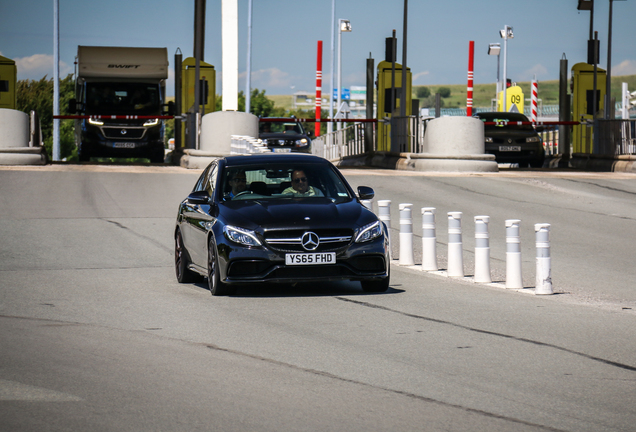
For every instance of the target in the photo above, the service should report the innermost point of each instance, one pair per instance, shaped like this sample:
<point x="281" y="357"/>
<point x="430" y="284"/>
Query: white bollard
<point x="368" y="204"/>
<point x="543" y="277"/>
<point x="482" y="250"/>
<point x="406" y="235"/>
<point x="429" y="240"/>
<point x="513" y="255"/>
<point x="455" y="252"/>
<point x="384" y="214"/>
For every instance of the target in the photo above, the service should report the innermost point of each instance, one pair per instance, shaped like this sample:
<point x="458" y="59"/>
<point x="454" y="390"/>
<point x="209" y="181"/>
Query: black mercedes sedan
<point x="278" y="217"/>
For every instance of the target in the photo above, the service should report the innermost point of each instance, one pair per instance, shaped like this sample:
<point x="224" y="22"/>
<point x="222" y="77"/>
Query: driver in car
<point x="300" y="186"/>
<point x="238" y="183"/>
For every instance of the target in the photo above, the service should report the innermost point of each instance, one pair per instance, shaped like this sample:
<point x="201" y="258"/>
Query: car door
<point x="201" y="220"/>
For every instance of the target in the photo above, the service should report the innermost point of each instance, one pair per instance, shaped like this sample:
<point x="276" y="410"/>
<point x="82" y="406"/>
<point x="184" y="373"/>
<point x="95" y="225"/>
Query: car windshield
<point x="291" y="128"/>
<point x="123" y="98"/>
<point x="503" y="120"/>
<point x="279" y="182"/>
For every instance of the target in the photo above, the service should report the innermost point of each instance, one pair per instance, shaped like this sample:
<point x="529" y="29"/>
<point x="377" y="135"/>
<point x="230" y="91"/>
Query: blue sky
<point x="285" y="33"/>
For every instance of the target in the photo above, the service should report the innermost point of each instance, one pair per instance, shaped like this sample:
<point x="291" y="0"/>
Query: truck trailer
<point x="120" y="81"/>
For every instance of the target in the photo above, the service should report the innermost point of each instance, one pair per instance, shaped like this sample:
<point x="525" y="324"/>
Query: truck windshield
<point x="123" y="98"/>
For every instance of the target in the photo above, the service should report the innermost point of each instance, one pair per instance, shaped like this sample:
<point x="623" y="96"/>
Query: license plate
<point x="315" y="258"/>
<point x="124" y="145"/>
<point x="509" y="148"/>
<point x="282" y="150"/>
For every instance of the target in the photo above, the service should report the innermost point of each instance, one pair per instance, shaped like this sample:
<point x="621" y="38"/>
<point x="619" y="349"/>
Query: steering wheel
<point x="245" y="192"/>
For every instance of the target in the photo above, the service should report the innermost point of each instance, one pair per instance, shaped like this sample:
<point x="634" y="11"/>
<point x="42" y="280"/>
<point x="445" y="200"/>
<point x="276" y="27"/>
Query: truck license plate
<point x="509" y="148"/>
<point x="315" y="258"/>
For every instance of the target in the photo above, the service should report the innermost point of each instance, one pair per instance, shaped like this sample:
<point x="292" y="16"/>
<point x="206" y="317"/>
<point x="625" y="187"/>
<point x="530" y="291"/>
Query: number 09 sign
<point x="514" y="96"/>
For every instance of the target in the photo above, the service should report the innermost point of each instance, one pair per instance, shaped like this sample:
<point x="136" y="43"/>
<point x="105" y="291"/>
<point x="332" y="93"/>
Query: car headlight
<point x="151" y="122"/>
<point x="95" y="122"/>
<point x="369" y="232"/>
<point x="301" y="142"/>
<point x="533" y="139"/>
<point x="241" y="236"/>
<point x="488" y="139"/>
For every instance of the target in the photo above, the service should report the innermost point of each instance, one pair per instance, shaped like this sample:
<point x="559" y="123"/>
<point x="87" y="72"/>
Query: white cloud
<point x="270" y="78"/>
<point x="628" y="67"/>
<point x="419" y="75"/>
<point x="39" y="65"/>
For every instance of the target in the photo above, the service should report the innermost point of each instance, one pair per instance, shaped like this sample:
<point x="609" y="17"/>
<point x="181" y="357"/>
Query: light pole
<point x="506" y="34"/>
<point x="495" y="49"/>
<point x="343" y="26"/>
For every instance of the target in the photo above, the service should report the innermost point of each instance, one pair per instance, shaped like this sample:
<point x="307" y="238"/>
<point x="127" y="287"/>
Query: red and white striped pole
<point x="318" y="89"/>
<point x="534" y="91"/>
<point x="469" y="92"/>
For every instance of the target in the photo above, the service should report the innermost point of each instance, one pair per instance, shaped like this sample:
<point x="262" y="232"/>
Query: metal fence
<point x="614" y="137"/>
<point x="348" y="141"/>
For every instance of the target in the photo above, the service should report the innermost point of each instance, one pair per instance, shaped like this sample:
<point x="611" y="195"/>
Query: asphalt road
<point x="96" y="334"/>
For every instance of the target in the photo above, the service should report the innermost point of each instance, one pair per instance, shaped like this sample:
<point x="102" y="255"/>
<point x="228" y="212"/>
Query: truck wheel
<point x="83" y="155"/>
<point x="157" y="156"/>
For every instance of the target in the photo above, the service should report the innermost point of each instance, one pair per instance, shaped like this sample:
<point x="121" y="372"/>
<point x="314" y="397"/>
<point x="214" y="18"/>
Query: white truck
<point x="116" y="82"/>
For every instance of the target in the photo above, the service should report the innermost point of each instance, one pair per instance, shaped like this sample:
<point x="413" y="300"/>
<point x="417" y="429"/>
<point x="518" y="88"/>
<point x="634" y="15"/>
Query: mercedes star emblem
<point x="124" y="132"/>
<point x="310" y="241"/>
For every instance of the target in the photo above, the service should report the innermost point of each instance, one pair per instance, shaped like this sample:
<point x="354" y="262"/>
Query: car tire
<point x="377" y="286"/>
<point x="216" y="287"/>
<point x="181" y="261"/>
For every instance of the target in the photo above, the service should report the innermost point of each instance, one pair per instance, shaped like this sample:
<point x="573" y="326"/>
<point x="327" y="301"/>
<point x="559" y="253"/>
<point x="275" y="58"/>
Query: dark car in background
<point x="284" y="136"/>
<point x="510" y="142"/>
<point x="278" y="218"/>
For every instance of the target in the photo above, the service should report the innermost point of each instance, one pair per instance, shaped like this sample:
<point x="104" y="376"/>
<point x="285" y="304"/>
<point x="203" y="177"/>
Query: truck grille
<point x="123" y="132"/>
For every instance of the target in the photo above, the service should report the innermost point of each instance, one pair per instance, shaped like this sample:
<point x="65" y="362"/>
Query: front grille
<point x="116" y="132"/>
<point x="291" y="240"/>
<point x="280" y="142"/>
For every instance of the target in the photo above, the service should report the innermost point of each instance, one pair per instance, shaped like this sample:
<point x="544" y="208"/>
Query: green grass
<point x="483" y="93"/>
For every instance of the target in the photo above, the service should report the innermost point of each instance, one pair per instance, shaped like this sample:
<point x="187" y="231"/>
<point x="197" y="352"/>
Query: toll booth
<point x="207" y="78"/>
<point x="583" y="103"/>
<point x="385" y="91"/>
<point x="8" y="83"/>
<point x="515" y="100"/>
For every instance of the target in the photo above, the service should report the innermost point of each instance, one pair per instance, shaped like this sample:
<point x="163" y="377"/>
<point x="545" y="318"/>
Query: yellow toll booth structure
<point x="207" y="77"/>
<point x="383" y="133"/>
<point x="583" y="103"/>
<point x="515" y="98"/>
<point x="8" y="83"/>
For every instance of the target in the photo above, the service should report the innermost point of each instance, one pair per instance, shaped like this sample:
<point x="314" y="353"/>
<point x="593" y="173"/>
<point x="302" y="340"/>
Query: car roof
<point x="268" y="158"/>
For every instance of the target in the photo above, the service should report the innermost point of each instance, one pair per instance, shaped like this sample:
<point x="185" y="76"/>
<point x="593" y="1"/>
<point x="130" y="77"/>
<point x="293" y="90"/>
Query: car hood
<point x="295" y="213"/>
<point x="508" y="132"/>
<point x="281" y="136"/>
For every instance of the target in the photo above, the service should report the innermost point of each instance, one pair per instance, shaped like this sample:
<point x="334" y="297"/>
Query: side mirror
<point x="171" y="108"/>
<point x="365" y="192"/>
<point x="539" y="129"/>
<point x="72" y="106"/>
<point x="199" y="197"/>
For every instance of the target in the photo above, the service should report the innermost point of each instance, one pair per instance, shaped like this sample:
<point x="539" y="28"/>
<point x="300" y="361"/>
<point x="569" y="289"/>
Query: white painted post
<point x="368" y="204"/>
<point x="482" y="250"/>
<point x="513" y="255"/>
<point x="543" y="276"/>
<point x="384" y="214"/>
<point x="406" y="235"/>
<point x="455" y="252"/>
<point x="429" y="240"/>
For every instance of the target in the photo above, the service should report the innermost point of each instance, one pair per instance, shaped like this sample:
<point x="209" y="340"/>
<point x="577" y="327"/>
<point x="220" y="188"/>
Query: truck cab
<point x="121" y="81"/>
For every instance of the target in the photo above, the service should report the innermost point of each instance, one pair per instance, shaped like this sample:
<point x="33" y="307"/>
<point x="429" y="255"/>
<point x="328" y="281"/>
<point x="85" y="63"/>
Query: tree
<point x="37" y="96"/>
<point x="261" y="105"/>
<point x="444" y="92"/>
<point x="423" y="92"/>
